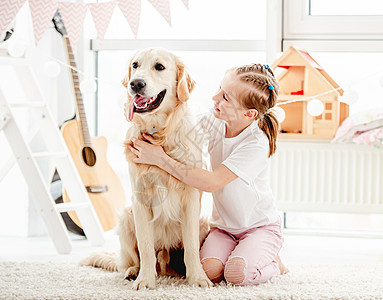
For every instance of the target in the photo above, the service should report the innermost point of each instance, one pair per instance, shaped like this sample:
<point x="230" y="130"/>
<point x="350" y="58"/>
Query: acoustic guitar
<point x="89" y="154"/>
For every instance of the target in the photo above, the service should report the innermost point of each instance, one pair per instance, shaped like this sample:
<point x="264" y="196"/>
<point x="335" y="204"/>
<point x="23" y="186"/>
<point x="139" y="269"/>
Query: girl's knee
<point x="213" y="268"/>
<point x="235" y="270"/>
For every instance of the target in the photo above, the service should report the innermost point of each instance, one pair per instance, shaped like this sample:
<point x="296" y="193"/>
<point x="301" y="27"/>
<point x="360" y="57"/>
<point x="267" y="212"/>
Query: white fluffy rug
<point x="68" y="281"/>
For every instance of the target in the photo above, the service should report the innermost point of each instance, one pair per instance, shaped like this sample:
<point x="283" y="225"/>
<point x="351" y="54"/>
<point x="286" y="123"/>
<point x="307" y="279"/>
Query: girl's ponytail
<point x="269" y="125"/>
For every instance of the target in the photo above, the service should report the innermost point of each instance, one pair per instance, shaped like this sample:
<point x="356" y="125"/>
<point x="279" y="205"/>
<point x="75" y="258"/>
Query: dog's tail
<point x="104" y="260"/>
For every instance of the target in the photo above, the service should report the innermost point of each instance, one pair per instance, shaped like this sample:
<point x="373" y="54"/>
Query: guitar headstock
<point x="59" y="23"/>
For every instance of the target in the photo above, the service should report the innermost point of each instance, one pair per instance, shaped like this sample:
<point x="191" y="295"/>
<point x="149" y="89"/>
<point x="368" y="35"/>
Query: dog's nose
<point x="137" y="85"/>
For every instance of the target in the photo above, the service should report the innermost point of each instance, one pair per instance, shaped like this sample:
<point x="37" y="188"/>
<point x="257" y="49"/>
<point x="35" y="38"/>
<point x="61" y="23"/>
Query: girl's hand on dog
<point x="146" y="153"/>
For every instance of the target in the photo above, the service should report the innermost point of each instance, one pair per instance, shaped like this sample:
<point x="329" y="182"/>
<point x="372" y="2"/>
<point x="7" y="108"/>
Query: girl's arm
<point x="201" y="179"/>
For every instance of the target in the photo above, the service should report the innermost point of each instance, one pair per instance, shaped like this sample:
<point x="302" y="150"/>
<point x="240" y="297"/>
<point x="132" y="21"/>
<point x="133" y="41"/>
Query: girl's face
<point x="227" y="105"/>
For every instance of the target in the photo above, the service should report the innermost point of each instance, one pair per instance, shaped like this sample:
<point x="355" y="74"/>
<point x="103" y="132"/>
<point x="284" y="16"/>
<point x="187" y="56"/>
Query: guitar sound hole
<point x="89" y="156"/>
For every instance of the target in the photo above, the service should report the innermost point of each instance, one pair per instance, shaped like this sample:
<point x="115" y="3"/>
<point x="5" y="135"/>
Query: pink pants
<point x="258" y="247"/>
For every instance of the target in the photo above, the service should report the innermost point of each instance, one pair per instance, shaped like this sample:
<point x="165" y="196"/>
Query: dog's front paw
<point x="131" y="273"/>
<point x="144" y="281"/>
<point x="200" y="280"/>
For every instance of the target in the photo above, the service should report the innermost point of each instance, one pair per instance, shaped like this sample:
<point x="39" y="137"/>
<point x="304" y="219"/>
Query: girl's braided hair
<point x="262" y="95"/>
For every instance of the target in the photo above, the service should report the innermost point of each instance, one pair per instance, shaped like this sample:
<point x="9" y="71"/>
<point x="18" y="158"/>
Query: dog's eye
<point x="135" y="65"/>
<point x="159" y="67"/>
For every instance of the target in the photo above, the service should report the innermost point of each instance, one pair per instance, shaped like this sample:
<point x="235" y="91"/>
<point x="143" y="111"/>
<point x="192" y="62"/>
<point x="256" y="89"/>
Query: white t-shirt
<point x="248" y="201"/>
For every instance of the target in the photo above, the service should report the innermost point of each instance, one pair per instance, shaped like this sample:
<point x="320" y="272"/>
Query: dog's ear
<point x="126" y="79"/>
<point x="185" y="83"/>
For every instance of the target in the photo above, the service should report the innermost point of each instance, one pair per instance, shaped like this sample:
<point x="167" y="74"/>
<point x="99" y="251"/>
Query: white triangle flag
<point x="102" y="14"/>
<point x="42" y="12"/>
<point x="8" y="12"/>
<point x="131" y="9"/>
<point x="186" y="2"/>
<point x="73" y="14"/>
<point x="163" y="7"/>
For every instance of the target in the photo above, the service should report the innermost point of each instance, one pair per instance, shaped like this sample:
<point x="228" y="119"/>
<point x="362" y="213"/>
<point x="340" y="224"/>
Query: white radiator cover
<point x="317" y="176"/>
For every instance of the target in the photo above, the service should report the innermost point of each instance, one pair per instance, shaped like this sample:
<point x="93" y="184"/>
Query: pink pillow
<point x="368" y="124"/>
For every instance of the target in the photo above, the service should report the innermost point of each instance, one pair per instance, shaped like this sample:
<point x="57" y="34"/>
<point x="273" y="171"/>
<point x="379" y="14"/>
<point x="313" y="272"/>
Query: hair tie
<point x="267" y="112"/>
<point x="266" y="66"/>
<point x="271" y="88"/>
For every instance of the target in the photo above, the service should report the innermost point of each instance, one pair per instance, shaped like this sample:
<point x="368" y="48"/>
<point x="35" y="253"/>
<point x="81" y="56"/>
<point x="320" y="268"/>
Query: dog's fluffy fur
<point x="165" y="212"/>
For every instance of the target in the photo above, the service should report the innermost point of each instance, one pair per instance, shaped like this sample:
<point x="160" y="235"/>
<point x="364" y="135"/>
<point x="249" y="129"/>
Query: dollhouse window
<point x="295" y="77"/>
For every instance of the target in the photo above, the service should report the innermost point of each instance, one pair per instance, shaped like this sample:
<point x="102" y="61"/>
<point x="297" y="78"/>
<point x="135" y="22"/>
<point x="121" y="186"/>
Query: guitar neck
<point x="81" y="116"/>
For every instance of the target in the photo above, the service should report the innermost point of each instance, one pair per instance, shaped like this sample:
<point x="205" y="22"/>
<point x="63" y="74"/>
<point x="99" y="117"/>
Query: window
<point x="335" y="26"/>
<point x="213" y="19"/>
<point x="207" y="68"/>
<point x="214" y="35"/>
<point x="359" y="72"/>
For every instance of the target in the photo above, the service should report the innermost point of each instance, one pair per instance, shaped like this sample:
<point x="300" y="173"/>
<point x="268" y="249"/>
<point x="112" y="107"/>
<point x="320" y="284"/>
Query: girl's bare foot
<point x="282" y="268"/>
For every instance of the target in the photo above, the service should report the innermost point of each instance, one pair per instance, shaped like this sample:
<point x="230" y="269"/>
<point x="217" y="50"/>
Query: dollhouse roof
<point x="297" y="57"/>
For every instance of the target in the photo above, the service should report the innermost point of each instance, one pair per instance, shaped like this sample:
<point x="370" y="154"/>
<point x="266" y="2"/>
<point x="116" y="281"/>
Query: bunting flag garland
<point x="163" y="7"/>
<point x="186" y="2"/>
<point x="102" y="14"/>
<point x="131" y="9"/>
<point x="8" y="12"/>
<point x="42" y="13"/>
<point x="73" y="14"/>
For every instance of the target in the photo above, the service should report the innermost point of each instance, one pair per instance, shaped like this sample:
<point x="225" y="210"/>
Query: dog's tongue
<point x="137" y="101"/>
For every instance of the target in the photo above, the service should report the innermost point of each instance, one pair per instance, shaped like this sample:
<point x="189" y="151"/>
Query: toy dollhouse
<point x="301" y="77"/>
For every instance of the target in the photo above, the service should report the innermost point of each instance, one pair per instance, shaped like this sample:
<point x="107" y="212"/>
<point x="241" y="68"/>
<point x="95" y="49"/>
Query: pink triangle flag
<point x="102" y="14"/>
<point x="131" y="9"/>
<point x="186" y="2"/>
<point x="73" y="14"/>
<point x="8" y="12"/>
<point x="42" y="12"/>
<point x="163" y="7"/>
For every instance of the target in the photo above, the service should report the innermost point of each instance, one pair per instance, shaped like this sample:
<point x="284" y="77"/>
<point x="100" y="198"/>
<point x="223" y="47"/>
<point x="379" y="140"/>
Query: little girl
<point x="245" y="238"/>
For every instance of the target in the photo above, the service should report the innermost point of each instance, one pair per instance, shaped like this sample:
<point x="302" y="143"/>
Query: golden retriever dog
<point x="165" y="212"/>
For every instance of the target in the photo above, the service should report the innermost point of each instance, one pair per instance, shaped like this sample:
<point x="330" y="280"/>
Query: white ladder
<point x="56" y="151"/>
